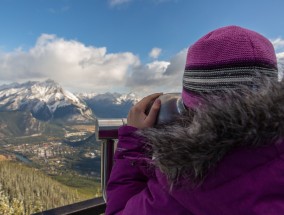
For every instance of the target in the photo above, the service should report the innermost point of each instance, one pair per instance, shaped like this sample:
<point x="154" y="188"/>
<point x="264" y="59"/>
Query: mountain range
<point x="44" y="100"/>
<point x="109" y="105"/>
<point x="27" y="108"/>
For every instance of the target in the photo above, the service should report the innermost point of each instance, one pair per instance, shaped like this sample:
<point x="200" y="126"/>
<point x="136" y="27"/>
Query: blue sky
<point x="119" y="45"/>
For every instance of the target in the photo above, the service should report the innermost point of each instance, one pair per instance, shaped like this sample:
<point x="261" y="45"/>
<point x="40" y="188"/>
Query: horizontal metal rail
<point x="94" y="206"/>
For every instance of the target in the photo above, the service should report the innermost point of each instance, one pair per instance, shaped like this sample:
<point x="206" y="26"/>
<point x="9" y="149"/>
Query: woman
<point x="225" y="155"/>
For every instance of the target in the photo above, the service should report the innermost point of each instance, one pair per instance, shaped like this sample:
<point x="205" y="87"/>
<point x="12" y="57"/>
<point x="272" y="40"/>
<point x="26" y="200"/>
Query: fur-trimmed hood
<point x="198" y="140"/>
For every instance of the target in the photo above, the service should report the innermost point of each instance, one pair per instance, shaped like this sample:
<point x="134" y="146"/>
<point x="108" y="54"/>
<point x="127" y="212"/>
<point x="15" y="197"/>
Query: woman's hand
<point x="137" y="117"/>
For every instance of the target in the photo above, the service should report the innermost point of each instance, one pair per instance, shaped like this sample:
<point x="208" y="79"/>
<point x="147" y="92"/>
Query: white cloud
<point x="155" y="53"/>
<point x="159" y="76"/>
<point x="82" y="68"/>
<point x="280" y="61"/>
<point x="87" y="68"/>
<point x="114" y="3"/>
<point x="279" y="48"/>
<point x="149" y="75"/>
<point x="177" y="64"/>
<point x="278" y="44"/>
<point x="68" y="62"/>
<point x="280" y="55"/>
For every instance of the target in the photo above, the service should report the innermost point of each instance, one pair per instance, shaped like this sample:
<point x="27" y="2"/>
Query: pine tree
<point x="24" y="190"/>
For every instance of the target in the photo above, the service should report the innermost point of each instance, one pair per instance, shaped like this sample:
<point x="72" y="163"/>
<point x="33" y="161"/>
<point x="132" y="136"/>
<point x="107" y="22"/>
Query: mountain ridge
<point x="110" y="105"/>
<point x="47" y="101"/>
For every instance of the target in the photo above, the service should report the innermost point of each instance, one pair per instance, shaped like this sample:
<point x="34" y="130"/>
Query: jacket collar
<point x="198" y="140"/>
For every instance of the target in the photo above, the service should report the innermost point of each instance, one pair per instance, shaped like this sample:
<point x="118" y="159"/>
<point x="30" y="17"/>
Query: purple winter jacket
<point x="242" y="172"/>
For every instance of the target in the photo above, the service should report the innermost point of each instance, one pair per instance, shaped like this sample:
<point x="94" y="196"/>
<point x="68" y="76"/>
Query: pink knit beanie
<point x="226" y="58"/>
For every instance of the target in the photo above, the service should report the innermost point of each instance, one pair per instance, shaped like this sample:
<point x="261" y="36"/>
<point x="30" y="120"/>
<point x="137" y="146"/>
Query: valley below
<point x="72" y="160"/>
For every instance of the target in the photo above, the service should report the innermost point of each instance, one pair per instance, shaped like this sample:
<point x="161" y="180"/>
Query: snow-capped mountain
<point x="114" y="98"/>
<point x="45" y="100"/>
<point x="109" y="105"/>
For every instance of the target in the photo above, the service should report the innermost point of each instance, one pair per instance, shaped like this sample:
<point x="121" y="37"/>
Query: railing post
<point x="107" y="152"/>
<point x="107" y="129"/>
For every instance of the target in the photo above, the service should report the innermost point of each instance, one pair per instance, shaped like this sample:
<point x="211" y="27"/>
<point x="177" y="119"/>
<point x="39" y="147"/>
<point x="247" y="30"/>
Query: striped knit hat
<point x="226" y="58"/>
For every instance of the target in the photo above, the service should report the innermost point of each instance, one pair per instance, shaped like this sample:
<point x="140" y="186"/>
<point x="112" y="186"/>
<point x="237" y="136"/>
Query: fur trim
<point x="197" y="141"/>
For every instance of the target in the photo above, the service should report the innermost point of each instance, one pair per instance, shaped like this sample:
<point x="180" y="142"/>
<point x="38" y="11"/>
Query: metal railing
<point x="107" y="130"/>
<point x="94" y="206"/>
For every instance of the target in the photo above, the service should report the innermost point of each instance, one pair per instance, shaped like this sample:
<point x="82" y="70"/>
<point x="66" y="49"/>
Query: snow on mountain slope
<point x="110" y="105"/>
<point x="114" y="98"/>
<point x="45" y="100"/>
<point x="48" y="100"/>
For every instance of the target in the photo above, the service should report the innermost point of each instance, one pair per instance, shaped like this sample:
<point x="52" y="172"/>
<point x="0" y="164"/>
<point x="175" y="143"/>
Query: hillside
<point x="24" y="190"/>
<point x="22" y="123"/>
